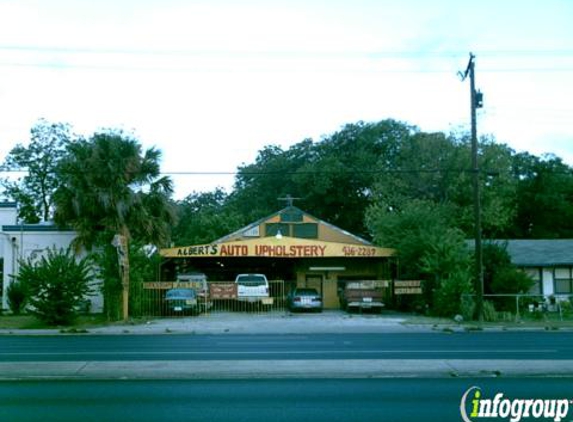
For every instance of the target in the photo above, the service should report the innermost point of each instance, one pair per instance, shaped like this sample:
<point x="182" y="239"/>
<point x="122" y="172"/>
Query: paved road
<point x="474" y="345"/>
<point x="260" y="400"/>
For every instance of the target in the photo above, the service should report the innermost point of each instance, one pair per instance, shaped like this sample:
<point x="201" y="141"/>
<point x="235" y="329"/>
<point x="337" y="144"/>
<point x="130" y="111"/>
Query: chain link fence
<point x="519" y="307"/>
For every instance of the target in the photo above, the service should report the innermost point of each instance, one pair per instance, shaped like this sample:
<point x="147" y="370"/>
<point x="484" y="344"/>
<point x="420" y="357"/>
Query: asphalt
<point x="236" y="323"/>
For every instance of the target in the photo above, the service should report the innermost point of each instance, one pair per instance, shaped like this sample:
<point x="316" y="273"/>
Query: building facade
<point x="549" y="262"/>
<point x="289" y="245"/>
<point x="28" y="241"/>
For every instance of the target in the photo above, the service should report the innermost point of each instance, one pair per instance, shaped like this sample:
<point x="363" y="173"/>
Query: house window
<point x="563" y="279"/>
<point x="272" y="229"/>
<point x="535" y="275"/>
<point x="291" y="216"/>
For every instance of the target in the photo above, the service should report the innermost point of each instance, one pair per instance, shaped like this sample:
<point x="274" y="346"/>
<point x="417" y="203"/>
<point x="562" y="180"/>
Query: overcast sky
<point x="211" y="82"/>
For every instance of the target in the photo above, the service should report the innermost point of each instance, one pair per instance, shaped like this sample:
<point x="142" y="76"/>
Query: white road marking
<point x="275" y="352"/>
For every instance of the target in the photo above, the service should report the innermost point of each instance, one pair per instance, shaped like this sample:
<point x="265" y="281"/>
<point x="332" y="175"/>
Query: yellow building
<point x="289" y="245"/>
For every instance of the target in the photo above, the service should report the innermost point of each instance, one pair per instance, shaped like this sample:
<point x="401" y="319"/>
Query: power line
<point x="412" y="54"/>
<point x="224" y="69"/>
<point x="487" y="172"/>
<point x="201" y="59"/>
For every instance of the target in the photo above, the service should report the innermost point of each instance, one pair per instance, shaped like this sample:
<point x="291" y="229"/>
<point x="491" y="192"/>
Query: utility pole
<point x="476" y="101"/>
<point x="120" y="243"/>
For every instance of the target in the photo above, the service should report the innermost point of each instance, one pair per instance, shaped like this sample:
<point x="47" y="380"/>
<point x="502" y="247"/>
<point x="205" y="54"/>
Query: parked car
<point x="254" y="289"/>
<point x="181" y="301"/>
<point x="361" y="295"/>
<point x="304" y="299"/>
<point x="197" y="282"/>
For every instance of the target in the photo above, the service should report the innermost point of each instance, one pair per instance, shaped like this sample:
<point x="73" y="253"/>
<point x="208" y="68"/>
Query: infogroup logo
<point x="474" y="407"/>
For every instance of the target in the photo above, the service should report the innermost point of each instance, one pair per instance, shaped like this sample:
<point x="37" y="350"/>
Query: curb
<point x="278" y="369"/>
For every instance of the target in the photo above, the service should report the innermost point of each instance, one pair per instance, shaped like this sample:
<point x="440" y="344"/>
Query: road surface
<point x="471" y="345"/>
<point x="351" y="400"/>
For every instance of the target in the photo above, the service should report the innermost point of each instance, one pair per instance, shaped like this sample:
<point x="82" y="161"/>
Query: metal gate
<point x="174" y="299"/>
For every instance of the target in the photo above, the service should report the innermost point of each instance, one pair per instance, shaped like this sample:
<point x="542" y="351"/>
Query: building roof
<point x="292" y="208"/>
<point x="540" y="252"/>
<point x="41" y="227"/>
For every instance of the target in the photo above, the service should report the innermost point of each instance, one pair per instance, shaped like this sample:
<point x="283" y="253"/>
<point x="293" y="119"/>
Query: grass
<point x="30" y="322"/>
<point x="549" y="323"/>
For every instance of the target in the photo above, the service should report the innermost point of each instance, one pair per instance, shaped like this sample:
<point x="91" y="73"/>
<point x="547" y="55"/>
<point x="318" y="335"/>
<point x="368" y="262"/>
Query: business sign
<point x="167" y="285"/>
<point x="407" y="287"/>
<point x="271" y="247"/>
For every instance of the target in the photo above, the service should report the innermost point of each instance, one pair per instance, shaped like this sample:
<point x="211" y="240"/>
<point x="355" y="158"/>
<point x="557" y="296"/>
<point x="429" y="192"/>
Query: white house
<point x="549" y="262"/>
<point x="23" y="241"/>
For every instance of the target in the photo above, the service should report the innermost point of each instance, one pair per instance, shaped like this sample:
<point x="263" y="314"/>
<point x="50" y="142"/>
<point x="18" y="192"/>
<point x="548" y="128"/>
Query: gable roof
<point x="291" y="208"/>
<point x="540" y="252"/>
<point x="536" y="252"/>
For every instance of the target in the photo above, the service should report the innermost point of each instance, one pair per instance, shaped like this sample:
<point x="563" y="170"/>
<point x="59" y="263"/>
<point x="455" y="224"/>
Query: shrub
<point x="467" y="307"/>
<point x="57" y="285"/>
<point x="489" y="312"/>
<point x="16" y="295"/>
<point x="566" y="308"/>
<point x="447" y="296"/>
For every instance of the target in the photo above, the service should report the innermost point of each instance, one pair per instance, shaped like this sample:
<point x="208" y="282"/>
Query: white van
<point x="253" y="288"/>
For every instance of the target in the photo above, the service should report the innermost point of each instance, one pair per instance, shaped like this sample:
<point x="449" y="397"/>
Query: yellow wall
<point x="326" y="232"/>
<point x="369" y="269"/>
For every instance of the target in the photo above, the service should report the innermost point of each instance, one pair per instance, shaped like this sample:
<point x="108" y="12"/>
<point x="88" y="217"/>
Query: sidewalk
<point x="260" y="369"/>
<point x="245" y="323"/>
<point x="331" y="321"/>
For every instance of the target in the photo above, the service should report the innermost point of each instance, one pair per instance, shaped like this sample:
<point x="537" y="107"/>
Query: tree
<point x="545" y="198"/>
<point x="333" y="178"/>
<point x="433" y="167"/>
<point x="34" y="191"/>
<point x="428" y="248"/>
<point x="259" y="185"/>
<point x="17" y="296"/>
<point x="56" y="285"/>
<point x="337" y="184"/>
<point x="205" y="217"/>
<point x="144" y="264"/>
<point x="109" y="187"/>
<point x="501" y="276"/>
<point x="447" y="260"/>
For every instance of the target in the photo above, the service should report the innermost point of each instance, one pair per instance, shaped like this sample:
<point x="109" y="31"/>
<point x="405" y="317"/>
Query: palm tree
<point x="108" y="190"/>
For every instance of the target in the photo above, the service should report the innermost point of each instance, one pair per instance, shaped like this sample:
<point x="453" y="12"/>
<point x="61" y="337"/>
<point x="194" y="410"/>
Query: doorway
<point x="314" y="281"/>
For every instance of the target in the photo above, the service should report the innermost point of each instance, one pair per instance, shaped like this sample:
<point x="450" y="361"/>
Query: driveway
<point x="265" y="323"/>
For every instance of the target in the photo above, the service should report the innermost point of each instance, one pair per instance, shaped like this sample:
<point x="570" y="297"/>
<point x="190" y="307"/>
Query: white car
<point x="253" y="288"/>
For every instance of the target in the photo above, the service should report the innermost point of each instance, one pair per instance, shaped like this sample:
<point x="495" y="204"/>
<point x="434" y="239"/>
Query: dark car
<point x="181" y="301"/>
<point x="304" y="299"/>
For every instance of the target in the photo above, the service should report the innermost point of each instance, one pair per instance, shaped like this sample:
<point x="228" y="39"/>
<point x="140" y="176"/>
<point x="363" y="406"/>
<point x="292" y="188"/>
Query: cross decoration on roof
<point x="289" y="200"/>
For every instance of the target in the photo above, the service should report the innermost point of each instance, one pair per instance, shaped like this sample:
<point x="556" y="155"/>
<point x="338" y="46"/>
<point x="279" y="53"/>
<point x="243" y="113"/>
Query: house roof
<point x="236" y="233"/>
<point x="15" y="228"/>
<point x="540" y="252"/>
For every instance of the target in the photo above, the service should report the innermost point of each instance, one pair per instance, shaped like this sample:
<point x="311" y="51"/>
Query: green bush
<point x="57" y="285"/>
<point x="467" y="307"/>
<point x="566" y="308"/>
<point x="16" y="295"/>
<point x="489" y="312"/>
<point x="447" y="296"/>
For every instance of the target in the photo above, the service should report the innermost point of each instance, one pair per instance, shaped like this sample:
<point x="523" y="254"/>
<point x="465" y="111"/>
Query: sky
<point x="211" y="82"/>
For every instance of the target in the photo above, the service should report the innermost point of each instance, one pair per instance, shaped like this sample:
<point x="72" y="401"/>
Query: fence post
<point x="517" y="308"/>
